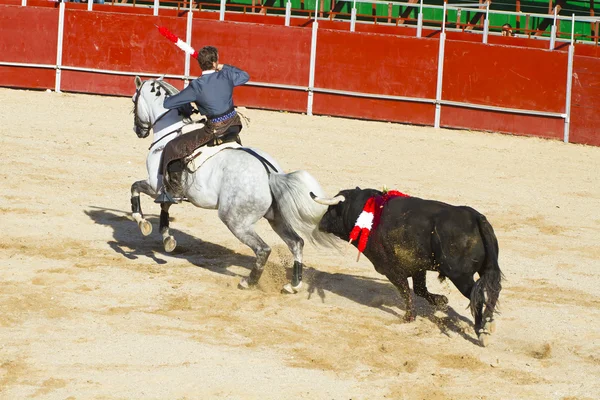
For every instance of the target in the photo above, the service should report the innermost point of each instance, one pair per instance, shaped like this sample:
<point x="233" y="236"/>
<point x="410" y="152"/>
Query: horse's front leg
<point x="169" y="241"/>
<point x="136" y="207"/>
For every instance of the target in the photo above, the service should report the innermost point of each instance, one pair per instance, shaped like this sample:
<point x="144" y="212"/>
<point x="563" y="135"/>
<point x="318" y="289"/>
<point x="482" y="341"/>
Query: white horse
<point x="240" y="186"/>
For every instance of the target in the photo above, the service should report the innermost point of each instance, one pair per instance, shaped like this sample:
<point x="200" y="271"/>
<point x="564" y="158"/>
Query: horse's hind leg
<point x="296" y="244"/>
<point x="136" y="207"/>
<point x="169" y="241"/>
<point x="250" y="238"/>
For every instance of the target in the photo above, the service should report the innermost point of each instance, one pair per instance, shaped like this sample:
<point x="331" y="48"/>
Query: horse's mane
<point x="170" y="89"/>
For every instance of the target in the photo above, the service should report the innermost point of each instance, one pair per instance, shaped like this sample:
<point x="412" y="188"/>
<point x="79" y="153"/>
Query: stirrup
<point x="165" y="197"/>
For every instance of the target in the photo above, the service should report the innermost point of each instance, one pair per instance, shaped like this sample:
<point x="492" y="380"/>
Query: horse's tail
<point x="487" y="289"/>
<point x="298" y="209"/>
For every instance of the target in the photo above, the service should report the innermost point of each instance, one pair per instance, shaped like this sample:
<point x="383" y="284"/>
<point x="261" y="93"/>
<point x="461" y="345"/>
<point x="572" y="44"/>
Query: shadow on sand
<point x="381" y="294"/>
<point x="370" y="292"/>
<point x="129" y="242"/>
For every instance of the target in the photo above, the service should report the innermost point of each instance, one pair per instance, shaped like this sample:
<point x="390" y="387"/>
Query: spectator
<point x="507" y="30"/>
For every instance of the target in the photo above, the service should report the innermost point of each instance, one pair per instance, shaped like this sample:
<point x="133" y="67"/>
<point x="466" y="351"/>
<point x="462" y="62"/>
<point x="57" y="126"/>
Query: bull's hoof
<point x="145" y="227"/>
<point x="440" y="301"/>
<point x="484" y="338"/>
<point x="289" y="289"/>
<point x="244" y="285"/>
<point x="409" y="317"/>
<point x="169" y="243"/>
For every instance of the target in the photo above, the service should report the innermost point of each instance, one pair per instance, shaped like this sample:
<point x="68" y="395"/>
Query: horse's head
<point x="148" y="104"/>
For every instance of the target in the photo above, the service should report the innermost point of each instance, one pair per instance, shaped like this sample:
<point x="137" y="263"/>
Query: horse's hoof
<point x="244" y="285"/>
<point x="145" y="227"/>
<point x="170" y="243"/>
<point x="289" y="289"/>
<point x="490" y="326"/>
<point x="484" y="339"/>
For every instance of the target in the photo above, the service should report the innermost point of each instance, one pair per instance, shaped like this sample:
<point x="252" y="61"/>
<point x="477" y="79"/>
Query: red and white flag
<point x="369" y="218"/>
<point x="178" y="42"/>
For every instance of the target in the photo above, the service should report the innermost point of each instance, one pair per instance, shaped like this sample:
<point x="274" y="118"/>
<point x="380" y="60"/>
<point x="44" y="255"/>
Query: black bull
<point x="416" y="235"/>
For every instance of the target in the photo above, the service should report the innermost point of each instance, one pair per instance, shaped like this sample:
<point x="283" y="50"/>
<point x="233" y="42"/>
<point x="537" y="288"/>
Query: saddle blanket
<point x="201" y="154"/>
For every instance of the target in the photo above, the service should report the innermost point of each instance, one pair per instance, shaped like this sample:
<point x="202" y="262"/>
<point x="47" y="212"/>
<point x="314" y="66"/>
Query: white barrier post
<point x="486" y="23"/>
<point x="222" y="11"/>
<point x="440" y="74"/>
<point x="90" y="4"/>
<point x="188" y="40"/>
<point x="156" y="6"/>
<point x="23" y="3"/>
<point x="353" y="17"/>
<point x="420" y="21"/>
<point x="313" y="59"/>
<point x="553" y="32"/>
<point x="288" y="12"/>
<point x="569" y="82"/>
<point x="59" y="46"/>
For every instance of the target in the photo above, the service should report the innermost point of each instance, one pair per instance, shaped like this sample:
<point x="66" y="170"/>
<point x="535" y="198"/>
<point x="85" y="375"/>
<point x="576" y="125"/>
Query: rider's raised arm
<point x="237" y="76"/>
<point x="182" y="98"/>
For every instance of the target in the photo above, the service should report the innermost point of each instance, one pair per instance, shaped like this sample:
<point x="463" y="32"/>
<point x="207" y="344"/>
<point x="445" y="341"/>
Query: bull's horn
<point x="327" y="201"/>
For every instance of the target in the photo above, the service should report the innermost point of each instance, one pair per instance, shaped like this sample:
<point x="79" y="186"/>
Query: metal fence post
<point x="420" y="21"/>
<point x="353" y="17"/>
<point x="440" y="73"/>
<point x="313" y="59"/>
<point x="569" y="82"/>
<point x="553" y="32"/>
<point x="188" y="40"/>
<point x="59" y="46"/>
<point x="23" y="3"/>
<point x="156" y="6"/>
<point x="486" y="23"/>
<point x="222" y="10"/>
<point x="288" y="12"/>
<point x="90" y="4"/>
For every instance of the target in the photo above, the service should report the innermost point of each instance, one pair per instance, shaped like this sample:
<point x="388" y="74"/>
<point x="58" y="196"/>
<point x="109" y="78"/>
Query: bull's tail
<point x="298" y="209"/>
<point x="487" y="289"/>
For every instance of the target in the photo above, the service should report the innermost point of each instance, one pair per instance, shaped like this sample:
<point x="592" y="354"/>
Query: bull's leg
<point x="136" y="207"/>
<point x="420" y="288"/>
<point x="169" y="241"/>
<point x="401" y="283"/>
<point x="296" y="244"/>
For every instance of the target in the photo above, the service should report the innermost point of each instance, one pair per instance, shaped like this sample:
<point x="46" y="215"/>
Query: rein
<point x="164" y="136"/>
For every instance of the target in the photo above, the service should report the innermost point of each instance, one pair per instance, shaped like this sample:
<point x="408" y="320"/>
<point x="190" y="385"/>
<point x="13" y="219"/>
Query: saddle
<point x="192" y="149"/>
<point x="202" y="154"/>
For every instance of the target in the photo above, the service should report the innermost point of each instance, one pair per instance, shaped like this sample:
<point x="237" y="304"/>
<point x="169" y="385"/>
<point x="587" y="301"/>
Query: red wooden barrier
<point x="120" y="42"/>
<point x="498" y="75"/>
<point x="504" y="76"/>
<point x="585" y="101"/>
<point x="376" y="64"/>
<point x="28" y="35"/>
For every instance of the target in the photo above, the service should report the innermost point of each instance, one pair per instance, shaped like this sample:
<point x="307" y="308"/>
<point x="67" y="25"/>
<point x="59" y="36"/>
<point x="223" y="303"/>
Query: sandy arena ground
<point x="89" y="308"/>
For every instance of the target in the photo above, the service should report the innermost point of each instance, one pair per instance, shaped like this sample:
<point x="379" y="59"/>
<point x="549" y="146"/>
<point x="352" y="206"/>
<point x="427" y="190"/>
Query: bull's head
<point x="343" y="210"/>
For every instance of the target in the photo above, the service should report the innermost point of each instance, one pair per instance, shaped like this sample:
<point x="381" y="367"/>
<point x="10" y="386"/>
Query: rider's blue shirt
<point x="212" y="91"/>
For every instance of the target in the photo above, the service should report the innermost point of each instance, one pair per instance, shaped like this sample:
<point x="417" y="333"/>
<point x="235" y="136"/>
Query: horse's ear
<point x="138" y="82"/>
<point x="357" y="188"/>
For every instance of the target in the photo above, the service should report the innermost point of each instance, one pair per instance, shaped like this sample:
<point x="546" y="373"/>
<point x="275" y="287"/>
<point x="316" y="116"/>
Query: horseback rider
<point x="213" y="94"/>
